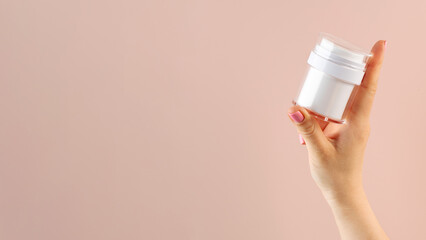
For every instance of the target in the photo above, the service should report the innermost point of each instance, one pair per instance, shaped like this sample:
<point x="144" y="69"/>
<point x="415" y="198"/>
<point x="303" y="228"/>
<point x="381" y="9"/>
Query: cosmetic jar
<point x="335" y="69"/>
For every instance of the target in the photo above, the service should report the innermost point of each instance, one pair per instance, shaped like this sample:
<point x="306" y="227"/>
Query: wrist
<point x="346" y="197"/>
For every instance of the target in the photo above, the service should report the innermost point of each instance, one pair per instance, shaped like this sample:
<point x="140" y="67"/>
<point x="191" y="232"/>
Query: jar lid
<point x="341" y="51"/>
<point x="339" y="58"/>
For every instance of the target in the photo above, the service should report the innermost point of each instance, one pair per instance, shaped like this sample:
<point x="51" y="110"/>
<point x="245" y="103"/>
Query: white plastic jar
<point x="336" y="67"/>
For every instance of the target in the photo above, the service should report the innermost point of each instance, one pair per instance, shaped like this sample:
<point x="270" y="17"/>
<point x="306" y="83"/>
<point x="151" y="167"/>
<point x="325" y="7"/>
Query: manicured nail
<point x="386" y="43"/>
<point x="301" y="140"/>
<point x="297" y="116"/>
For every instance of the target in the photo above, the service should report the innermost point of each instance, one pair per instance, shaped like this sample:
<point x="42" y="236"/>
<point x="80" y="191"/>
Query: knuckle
<point x="371" y="89"/>
<point x="375" y="65"/>
<point x="307" y="128"/>
<point x="362" y="132"/>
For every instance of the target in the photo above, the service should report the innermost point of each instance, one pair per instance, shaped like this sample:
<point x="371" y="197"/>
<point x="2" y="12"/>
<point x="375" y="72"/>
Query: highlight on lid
<point x="336" y="67"/>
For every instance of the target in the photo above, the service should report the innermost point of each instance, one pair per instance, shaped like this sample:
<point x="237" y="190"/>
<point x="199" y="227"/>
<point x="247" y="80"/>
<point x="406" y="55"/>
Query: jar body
<point x="326" y="97"/>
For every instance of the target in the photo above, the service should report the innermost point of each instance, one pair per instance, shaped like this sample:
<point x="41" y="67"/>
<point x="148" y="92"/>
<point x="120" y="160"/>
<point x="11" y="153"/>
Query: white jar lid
<point x="339" y="58"/>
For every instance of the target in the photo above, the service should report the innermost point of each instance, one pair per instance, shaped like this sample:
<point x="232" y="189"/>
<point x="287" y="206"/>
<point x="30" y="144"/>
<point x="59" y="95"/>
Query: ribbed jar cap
<point x="341" y="52"/>
<point x="339" y="59"/>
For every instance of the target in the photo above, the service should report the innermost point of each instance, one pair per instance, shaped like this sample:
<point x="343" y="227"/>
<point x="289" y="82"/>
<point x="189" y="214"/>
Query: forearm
<point x="354" y="216"/>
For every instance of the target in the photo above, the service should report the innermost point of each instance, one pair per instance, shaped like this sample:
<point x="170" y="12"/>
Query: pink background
<point x="167" y="119"/>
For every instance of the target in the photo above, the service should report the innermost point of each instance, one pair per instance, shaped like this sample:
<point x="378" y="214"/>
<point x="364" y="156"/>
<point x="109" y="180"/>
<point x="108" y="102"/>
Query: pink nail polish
<point x="386" y="43"/>
<point x="301" y="140"/>
<point x="297" y="116"/>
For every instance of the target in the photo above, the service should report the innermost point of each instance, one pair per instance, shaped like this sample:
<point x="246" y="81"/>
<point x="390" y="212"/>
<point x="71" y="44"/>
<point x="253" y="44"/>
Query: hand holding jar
<point x="336" y="151"/>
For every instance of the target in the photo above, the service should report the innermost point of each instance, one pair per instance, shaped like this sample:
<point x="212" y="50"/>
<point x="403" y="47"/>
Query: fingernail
<point x="301" y="140"/>
<point x="386" y="43"/>
<point x="297" y="116"/>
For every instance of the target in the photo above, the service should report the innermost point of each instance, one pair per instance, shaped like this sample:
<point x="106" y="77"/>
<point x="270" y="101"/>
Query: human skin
<point x="336" y="155"/>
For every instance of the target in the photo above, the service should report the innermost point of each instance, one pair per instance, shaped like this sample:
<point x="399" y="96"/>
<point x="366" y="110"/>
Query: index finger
<point x="363" y="102"/>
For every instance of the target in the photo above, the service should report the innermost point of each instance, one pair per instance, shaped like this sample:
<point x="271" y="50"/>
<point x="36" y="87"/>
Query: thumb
<point x="307" y="127"/>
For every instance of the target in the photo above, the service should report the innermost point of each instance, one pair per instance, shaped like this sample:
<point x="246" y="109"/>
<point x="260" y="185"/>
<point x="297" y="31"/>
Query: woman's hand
<point x="336" y="154"/>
